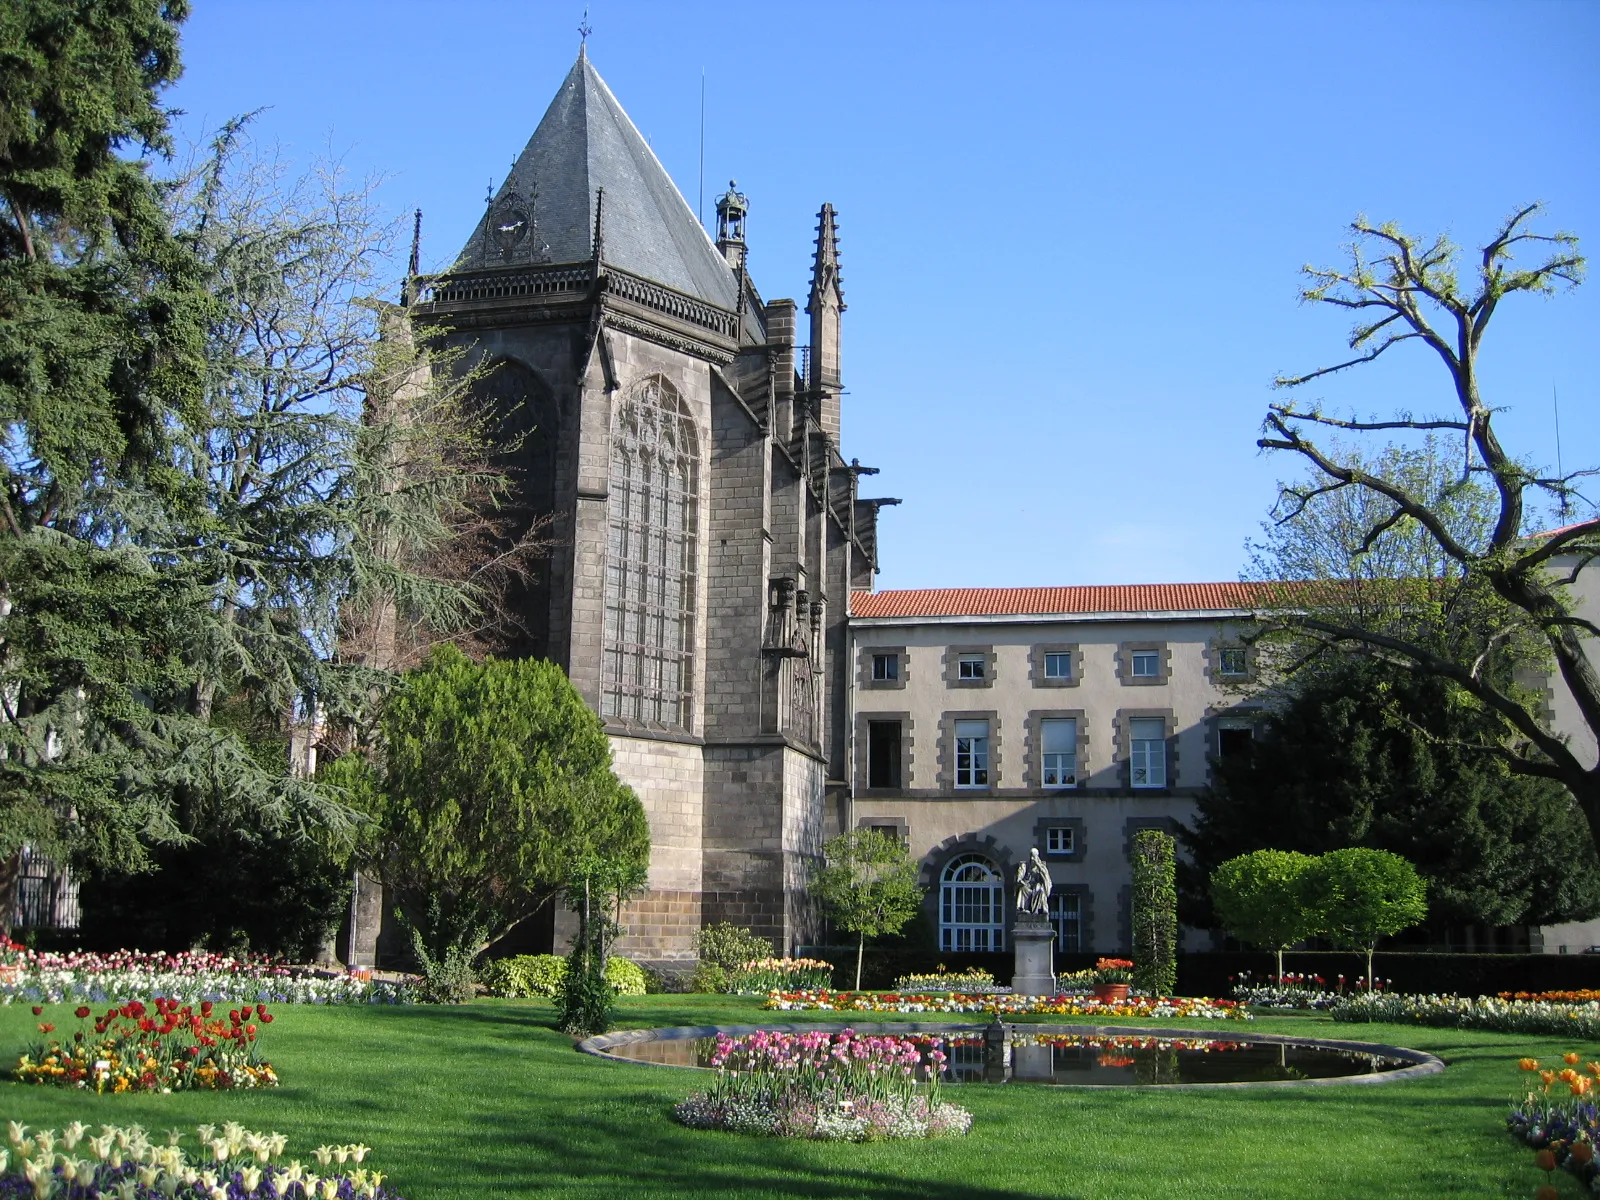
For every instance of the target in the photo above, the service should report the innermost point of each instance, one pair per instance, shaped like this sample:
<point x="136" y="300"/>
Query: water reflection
<point x="1094" y="1060"/>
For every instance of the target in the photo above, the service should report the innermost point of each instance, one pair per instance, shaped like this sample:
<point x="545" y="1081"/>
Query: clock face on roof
<point x="508" y="225"/>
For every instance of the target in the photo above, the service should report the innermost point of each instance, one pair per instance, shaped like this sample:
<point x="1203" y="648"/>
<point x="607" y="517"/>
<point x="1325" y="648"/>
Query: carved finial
<point x="599" y="226"/>
<point x="416" y="245"/>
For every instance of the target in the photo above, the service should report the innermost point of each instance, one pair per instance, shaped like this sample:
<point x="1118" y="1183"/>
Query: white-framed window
<point x="1060" y="839"/>
<point x="886" y="666"/>
<point x="1146" y="664"/>
<point x="972" y="754"/>
<point x="972" y="666"/>
<point x="1066" y="915"/>
<point x="972" y="905"/>
<point x="1058" y="666"/>
<point x="1233" y="660"/>
<point x="1058" y="739"/>
<point x="1147" y="752"/>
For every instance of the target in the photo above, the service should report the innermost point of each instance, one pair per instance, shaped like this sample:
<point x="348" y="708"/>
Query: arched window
<point x="650" y="558"/>
<point x="972" y="905"/>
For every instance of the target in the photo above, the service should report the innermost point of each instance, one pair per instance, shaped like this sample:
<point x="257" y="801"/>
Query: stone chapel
<point x="709" y="530"/>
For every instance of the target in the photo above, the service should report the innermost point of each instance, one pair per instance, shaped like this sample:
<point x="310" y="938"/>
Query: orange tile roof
<point x="1041" y="601"/>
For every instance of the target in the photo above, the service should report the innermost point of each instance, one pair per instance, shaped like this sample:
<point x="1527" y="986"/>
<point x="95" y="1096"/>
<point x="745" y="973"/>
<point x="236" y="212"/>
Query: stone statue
<point x="1033" y="887"/>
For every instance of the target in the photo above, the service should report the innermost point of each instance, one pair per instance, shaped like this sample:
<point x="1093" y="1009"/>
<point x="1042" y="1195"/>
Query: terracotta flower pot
<point x="1111" y="993"/>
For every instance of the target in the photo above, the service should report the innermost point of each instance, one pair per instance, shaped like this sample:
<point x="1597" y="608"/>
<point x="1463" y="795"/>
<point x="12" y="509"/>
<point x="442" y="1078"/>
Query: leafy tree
<point x="103" y="317"/>
<point x="867" y="884"/>
<point x="1260" y="898"/>
<point x="1359" y="895"/>
<point x="596" y="889"/>
<point x="495" y="779"/>
<point x="1360" y="754"/>
<point x="1499" y="592"/>
<point x="1155" y="913"/>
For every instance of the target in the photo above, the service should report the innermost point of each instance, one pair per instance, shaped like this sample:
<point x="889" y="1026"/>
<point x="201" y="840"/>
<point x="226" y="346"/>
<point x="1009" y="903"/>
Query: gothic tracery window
<point x="650" y="558"/>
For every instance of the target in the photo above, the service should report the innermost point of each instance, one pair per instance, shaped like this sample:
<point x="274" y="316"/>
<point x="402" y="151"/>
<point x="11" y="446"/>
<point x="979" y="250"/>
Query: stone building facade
<point x="686" y="447"/>
<point x="989" y="721"/>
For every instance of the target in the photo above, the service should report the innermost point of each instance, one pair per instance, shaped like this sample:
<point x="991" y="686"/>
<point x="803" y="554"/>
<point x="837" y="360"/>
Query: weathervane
<point x="583" y="27"/>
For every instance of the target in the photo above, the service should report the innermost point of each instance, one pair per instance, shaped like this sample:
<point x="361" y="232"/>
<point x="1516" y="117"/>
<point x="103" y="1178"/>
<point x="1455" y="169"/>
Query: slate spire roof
<point x="586" y="142"/>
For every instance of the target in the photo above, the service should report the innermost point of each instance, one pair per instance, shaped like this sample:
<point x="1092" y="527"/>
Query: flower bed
<point x="235" y="1164"/>
<point x="958" y="1002"/>
<point x="827" y="1086"/>
<point x="972" y="982"/>
<point x="134" y="1049"/>
<point x="1562" y="1129"/>
<point x="763" y="975"/>
<point x="188" y="978"/>
<point x="1294" y="991"/>
<point x="1581" y="996"/>
<point x="1486" y="1012"/>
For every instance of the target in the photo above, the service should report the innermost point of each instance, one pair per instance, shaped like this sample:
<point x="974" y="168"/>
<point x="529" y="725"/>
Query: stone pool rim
<point x="1421" y="1063"/>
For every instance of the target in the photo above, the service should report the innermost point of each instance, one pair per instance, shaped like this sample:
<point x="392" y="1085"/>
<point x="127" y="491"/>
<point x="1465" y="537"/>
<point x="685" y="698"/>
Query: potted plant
<point x="1111" y="979"/>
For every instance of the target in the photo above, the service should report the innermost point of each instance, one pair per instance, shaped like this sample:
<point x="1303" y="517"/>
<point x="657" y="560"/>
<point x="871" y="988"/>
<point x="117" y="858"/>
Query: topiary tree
<point x="1260" y="898"/>
<point x="1155" y="913"/>
<point x="867" y="884"/>
<point x="495" y="780"/>
<point x="1358" y="896"/>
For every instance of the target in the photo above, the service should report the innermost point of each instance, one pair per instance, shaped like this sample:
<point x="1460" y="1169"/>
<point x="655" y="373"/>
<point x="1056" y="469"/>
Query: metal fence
<point x="47" y="894"/>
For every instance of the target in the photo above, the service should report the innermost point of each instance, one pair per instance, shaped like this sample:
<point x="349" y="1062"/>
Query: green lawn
<point x="488" y="1100"/>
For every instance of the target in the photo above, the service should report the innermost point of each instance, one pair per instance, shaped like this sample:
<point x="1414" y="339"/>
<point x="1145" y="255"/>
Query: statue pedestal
<point x="1034" y="973"/>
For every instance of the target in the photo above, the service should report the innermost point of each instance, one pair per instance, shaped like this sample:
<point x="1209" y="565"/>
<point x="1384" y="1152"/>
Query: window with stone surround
<point x="1233" y="661"/>
<point x="1066" y="917"/>
<point x="972" y="754"/>
<point x="884" y="754"/>
<point x="1058" y="665"/>
<point x="1060" y="839"/>
<point x="972" y="905"/>
<point x="1144" y="664"/>
<point x="652" y="517"/>
<point x="1058" y="742"/>
<point x="885" y="667"/>
<point x="969" y="666"/>
<point x="1147" y="752"/>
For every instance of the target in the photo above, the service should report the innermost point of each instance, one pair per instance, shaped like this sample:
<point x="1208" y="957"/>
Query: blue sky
<point x="1071" y="233"/>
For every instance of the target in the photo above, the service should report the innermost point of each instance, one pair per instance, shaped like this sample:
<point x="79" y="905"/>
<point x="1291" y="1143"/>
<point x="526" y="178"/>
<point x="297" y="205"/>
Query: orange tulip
<point x="1528" y="1064"/>
<point x="1579" y="1085"/>
<point x="1593" y="1069"/>
<point x="1567" y="1075"/>
<point x="1571" y="1057"/>
<point x="1545" y="1160"/>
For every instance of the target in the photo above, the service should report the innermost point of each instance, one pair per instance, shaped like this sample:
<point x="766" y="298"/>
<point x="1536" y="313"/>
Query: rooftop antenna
<point x="1566" y="501"/>
<point x="700" y="207"/>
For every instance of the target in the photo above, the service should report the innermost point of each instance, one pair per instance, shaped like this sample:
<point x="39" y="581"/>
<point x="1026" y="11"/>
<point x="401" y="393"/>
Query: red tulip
<point x="38" y="1010"/>
<point x="1546" y="1192"/>
<point x="81" y="1011"/>
<point x="1582" y="1152"/>
<point x="1545" y="1160"/>
<point x="46" y="1027"/>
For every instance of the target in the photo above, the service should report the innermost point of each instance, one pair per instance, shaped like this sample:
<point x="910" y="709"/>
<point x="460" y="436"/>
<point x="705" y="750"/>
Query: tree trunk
<point x="10" y="876"/>
<point x="1371" y="946"/>
<point x="861" y="949"/>
<point x="1279" y="953"/>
